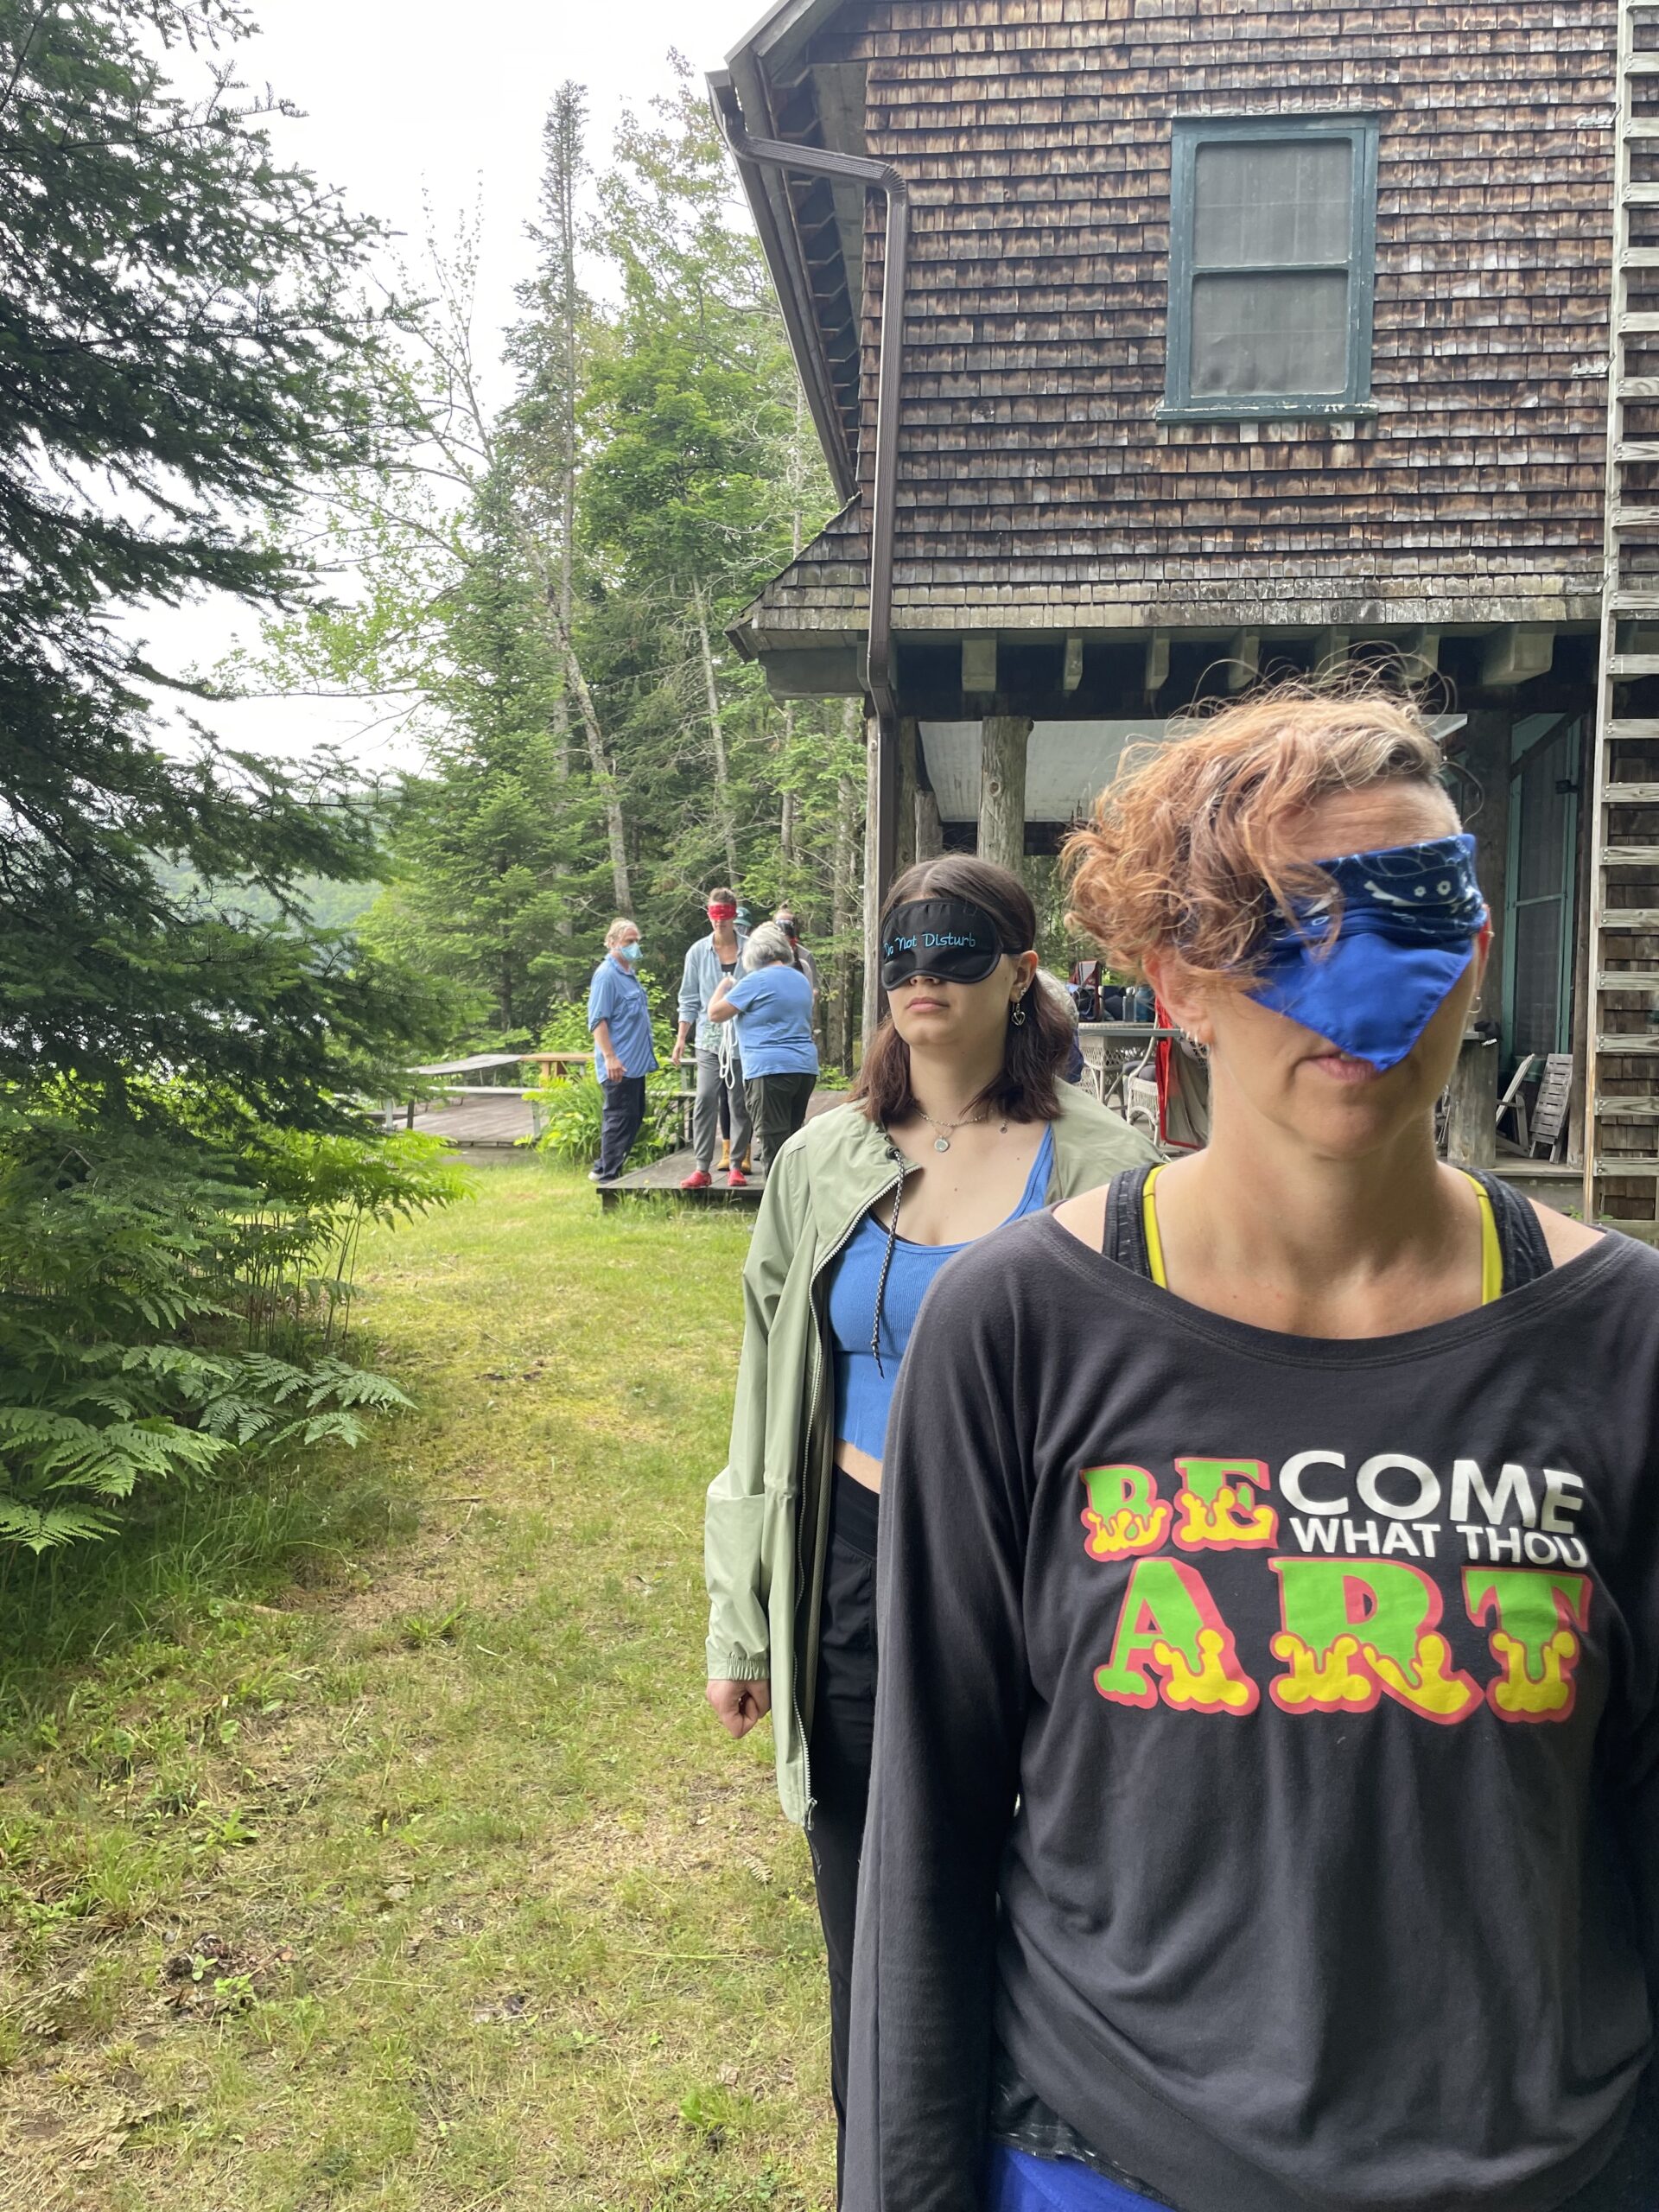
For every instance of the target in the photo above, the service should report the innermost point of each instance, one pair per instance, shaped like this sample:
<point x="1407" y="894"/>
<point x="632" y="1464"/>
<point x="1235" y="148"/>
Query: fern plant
<point x="145" y="1276"/>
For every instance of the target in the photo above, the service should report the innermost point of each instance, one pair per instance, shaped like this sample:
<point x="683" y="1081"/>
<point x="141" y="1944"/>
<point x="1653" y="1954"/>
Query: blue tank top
<point x="863" y="1387"/>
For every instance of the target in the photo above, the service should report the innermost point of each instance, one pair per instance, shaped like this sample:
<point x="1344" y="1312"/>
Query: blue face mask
<point x="630" y="952"/>
<point x="1409" y="918"/>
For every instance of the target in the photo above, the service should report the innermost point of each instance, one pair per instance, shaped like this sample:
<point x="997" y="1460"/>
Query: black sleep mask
<point x="945" y="937"/>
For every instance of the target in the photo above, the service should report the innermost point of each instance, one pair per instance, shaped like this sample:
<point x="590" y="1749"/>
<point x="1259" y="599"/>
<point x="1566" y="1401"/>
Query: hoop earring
<point x="1017" y="1015"/>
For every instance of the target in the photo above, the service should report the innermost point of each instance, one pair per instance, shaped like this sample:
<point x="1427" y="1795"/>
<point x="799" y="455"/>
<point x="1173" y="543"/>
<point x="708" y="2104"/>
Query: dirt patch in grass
<point x="426" y="1882"/>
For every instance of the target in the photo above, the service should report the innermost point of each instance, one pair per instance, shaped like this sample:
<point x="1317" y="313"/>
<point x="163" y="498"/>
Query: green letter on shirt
<point x="1169" y="1623"/>
<point x="1355" y="1629"/>
<point x="1535" y="1640"/>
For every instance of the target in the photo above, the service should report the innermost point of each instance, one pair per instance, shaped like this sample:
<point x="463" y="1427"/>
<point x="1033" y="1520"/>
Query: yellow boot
<point x="724" y="1154"/>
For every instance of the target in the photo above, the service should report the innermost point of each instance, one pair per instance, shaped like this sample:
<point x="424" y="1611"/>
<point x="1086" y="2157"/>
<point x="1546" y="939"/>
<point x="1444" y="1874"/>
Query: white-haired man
<point x="619" y="1014"/>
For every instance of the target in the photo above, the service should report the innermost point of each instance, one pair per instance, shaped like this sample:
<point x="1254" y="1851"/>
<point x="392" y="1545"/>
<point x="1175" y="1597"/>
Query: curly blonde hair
<point x="1181" y="853"/>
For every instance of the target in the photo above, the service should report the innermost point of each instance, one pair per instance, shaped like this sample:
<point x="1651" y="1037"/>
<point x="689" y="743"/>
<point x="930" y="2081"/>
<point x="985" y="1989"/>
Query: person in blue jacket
<point x="619" y="1014"/>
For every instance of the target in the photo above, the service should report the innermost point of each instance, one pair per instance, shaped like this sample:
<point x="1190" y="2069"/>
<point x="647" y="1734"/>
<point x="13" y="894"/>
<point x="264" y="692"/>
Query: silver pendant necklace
<point x="948" y="1129"/>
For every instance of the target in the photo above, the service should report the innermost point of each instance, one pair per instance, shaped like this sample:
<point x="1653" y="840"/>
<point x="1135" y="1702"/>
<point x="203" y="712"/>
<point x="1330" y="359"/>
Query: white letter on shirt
<point x="1467" y="1480"/>
<point x="1557" y="1502"/>
<point x="1428" y="1485"/>
<point x="1290" y="1481"/>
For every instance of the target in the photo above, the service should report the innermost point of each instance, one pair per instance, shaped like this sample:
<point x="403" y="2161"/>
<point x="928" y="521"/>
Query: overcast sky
<point x="405" y="97"/>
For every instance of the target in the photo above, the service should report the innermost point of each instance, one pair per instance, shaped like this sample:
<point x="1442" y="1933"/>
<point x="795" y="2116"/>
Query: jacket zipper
<point x="905" y="1167"/>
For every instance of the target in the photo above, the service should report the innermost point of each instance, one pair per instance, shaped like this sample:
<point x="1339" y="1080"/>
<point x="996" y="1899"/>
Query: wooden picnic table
<point x="492" y="1120"/>
<point x="562" y="1061"/>
<point x="483" y="1063"/>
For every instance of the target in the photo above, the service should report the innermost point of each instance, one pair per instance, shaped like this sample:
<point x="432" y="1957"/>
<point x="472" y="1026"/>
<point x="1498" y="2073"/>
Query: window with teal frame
<point x="1273" y="246"/>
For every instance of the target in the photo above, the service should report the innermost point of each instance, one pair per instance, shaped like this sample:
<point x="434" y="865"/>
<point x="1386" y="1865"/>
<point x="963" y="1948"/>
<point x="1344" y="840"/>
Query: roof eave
<point x="744" y="90"/>
<point x="783" y="30"/>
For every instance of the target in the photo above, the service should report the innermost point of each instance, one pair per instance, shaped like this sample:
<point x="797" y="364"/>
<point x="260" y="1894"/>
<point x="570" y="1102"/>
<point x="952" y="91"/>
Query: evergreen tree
<point x="487" y="840"/>
<point x="549" y="349"/>
<point x="182" y="351"/>
<point x="702" y="482"/>
<point x="688" y="408"/>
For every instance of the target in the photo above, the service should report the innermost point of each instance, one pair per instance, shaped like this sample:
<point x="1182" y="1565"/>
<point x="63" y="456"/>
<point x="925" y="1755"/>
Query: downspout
<point x="856" y="169"/>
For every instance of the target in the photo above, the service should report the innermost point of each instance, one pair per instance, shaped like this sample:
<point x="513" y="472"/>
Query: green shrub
<point x="567" y="1118"/>
<point x="174" y="1306"/>
<point x="565" y="1028"/>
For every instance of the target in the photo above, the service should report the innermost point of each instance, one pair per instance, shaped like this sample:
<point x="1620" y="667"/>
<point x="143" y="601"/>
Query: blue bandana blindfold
<point x="1409" y="918"/>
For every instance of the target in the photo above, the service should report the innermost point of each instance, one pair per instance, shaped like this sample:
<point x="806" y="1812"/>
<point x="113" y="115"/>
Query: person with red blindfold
<point x="712" y="960"/>
<point x="1265" y="1804"/>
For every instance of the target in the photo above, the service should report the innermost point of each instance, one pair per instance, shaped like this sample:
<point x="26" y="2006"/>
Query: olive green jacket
<point x="766" y="1530"/>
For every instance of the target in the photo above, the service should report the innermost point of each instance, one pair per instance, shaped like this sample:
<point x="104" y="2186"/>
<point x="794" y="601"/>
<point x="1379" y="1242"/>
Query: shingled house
<point x="1237" y="335"/>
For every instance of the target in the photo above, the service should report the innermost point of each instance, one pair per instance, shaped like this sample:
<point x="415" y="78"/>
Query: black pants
<point x="843" y="1722"/>
<point x="624" y="1111"/>
<point x="778" y="1106"/>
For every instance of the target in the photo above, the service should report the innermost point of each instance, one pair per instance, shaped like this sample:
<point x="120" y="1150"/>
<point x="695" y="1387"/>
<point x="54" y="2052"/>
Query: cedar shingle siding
<point x="1037" y="487"/>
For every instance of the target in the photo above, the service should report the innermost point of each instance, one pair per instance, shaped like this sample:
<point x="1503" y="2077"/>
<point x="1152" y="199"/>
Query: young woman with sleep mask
<point x="959" y="1123"/>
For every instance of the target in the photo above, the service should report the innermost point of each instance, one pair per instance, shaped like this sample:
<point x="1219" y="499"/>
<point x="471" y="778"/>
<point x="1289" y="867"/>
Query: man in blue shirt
<point x="619" y="1014"/>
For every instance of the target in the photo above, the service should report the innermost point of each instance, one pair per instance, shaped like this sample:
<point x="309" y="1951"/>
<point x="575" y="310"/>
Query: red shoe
<point x="737" y="1180"/>
<point x="698" y="1179"/>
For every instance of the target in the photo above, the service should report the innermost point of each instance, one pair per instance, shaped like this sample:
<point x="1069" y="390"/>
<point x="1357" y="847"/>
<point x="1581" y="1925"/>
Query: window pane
<point x="1289" y="201"/>
<point x="1270" y="335"/>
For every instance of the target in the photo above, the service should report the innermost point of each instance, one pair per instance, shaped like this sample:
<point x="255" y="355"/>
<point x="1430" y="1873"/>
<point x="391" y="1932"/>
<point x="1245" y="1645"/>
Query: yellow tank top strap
<point x="1149" y="1218"/>
<point x="1492" y="1252"/>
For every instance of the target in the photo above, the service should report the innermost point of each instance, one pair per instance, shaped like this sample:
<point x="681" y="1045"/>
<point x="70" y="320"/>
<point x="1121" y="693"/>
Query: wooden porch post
<point x="1483" y="744"/>
<point x="1003" y="740"/>
<point x="880" y="850"/>
<point x="904" y="853"/>
<point x="929" y="830"/>
<point x="926" y="827"/>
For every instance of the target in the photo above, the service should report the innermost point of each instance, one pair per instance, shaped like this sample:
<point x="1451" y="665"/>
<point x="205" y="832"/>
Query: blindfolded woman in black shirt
<point x="1266" y="1804"/>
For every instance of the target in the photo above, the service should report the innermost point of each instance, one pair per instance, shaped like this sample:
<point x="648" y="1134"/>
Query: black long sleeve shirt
<point x="1301" y="1700"/>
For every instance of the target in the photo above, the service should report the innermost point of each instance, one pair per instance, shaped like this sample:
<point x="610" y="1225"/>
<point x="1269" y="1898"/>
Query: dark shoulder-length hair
<point x="1034" y="1051"/>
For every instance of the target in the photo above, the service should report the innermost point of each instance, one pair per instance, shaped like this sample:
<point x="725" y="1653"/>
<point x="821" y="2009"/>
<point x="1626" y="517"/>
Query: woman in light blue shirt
<point x="771" y="1001"/>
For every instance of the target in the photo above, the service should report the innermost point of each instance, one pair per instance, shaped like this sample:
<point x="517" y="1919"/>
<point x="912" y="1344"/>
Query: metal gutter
<point x="812" y="160"/>
<point x="744" y="90"/>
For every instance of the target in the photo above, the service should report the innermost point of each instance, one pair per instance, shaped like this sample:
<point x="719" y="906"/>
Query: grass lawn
<point x="363" y="1841"/>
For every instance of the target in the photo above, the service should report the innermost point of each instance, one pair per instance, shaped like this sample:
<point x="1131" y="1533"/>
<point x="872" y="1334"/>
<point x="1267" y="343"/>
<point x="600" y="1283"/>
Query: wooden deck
<point x="476" y="1122"/>
<point x="663" y="1177"/>
<point x="662" y="1180"/>
<point x="495" y="1123"/>
<point x="488" y="1116"/>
